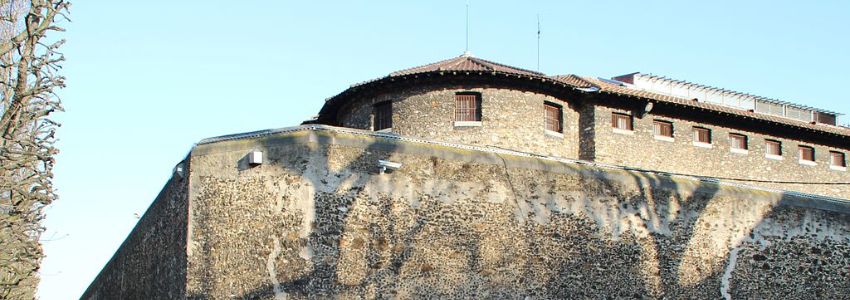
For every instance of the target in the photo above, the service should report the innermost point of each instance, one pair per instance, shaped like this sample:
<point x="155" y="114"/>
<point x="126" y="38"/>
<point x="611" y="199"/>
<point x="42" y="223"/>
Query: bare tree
<point x="29" y="79"/>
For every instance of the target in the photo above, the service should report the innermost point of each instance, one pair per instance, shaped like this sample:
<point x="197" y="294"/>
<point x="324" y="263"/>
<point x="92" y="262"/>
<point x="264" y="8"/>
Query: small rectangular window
<point x="773" y="147"/>
<point x="553" y="117"/>
<point x="621" y="121"/>
<point x="826" y="118"/>
<point x="798" y="113"/>
<point x="702" y="135"/>
<point x="738" y="141"/>
<point x="662" y="128"/>
<point x="807" y="153"/>
<point x="467" y="107"/>
<point x="383" y="115"/>
<point x="837" y="159"/>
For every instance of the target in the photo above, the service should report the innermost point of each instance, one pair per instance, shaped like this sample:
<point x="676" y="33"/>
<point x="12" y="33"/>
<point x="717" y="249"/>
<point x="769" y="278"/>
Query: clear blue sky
<point x="147" y="79"/>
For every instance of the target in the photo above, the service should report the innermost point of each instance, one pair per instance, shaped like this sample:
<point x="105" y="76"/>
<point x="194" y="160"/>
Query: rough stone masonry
<point x="319" y="220"/>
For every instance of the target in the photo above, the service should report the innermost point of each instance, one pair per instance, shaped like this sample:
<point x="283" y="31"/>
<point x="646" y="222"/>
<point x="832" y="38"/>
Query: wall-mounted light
<point x="255" y="158"/>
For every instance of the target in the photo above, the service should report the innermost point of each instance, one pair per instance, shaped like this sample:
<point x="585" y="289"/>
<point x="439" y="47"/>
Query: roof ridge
<point x="509" y="67"/>
<point x="567" y="78"/>
<point x="399" y="72"/>
<point x="458" y="60"/>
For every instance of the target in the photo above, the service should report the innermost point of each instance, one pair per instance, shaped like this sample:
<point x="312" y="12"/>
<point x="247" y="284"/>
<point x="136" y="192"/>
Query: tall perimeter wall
<point x="317" y="219"/>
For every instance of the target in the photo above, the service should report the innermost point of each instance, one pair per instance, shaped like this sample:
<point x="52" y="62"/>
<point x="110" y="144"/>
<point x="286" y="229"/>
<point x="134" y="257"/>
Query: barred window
<point x="702" y="135"/>
<point x="383" y="118"/>
<point x="837" y="159"/>
<point x="553" y="116"/>
<point x="807" y="153"/>
<point x="773" y="147"/>
<point x="738" y="141"/>
<point x="621" y="121"/>
<point x="468" y="107"/>
<point x="662" y="128"/>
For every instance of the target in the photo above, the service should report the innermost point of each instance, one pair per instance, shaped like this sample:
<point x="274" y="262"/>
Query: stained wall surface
<point x="514" y="119"/>
<point x="511" y="119"/>
<point x="642" y="149"/>
<point x="151" y="263"/>
<point x="317" y="219"/>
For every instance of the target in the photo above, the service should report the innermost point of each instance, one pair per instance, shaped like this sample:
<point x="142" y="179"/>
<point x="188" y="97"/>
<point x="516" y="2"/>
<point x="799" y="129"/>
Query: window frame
<point x="382" y="114"/>
<point x="615" y="124"/>
<point x="739" y="143"/>
<point x="803" y="159"/>
<point x="464" y="113"/>
<point x="767" y="148"/>
<point x="658" y="130"/>
<point x="559" y="118"/>
<point x="832" y="160"/>
<point x="697" y="141"/>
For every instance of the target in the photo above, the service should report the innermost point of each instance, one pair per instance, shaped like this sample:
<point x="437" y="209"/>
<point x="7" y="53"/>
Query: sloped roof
<point x="466" y="63"/>
<point x="470" y="65"/>
<point x="610" y="88"/>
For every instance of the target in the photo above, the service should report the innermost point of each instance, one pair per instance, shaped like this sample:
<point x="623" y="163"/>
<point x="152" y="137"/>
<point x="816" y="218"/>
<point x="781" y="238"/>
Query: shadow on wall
<point x="587" y="132"/>
<point x="628" y="234"/>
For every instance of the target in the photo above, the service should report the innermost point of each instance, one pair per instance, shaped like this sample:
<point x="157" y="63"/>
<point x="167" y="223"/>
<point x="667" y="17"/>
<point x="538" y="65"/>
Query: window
<point x="467" y="107"/>
<point x="738" y="141"/>
<point x="702" y="135"/>
<point x="662" y="128"/>
<point x="773" y="148"/>
<point x="553" y="117"/>
<point x="383" y="115"/>
<point x="826" y="118"/>
<point x="807" y="154"/>
<point x="621" y="121"/>
<point x="798" y="113"/>
<point x="837" y="159"/>
<point x="770" y="108"/>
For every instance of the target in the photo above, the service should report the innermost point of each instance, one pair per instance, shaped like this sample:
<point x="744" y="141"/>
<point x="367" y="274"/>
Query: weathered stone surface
<point x="514" y="119"/>
<point x="318" y="220"/>
<point x="642" y="150"/>
<point x="510" y="118"/>
<point x="151" y="263"/>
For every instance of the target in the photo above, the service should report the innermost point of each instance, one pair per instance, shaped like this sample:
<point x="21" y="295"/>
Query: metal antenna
<point x="466" y="51"/>
<point x="538" y="42"/>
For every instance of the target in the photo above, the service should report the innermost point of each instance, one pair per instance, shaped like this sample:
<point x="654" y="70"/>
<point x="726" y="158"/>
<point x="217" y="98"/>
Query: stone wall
<point x="151" y="263"/>
<point x="317" y="219"/>
<point x="510" y="119"/>
<point x="642" y="150"/>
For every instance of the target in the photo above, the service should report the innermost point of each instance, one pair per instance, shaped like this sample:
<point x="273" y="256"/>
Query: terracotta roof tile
<point x="573" y="80"/>
<point x="468" y="63"/>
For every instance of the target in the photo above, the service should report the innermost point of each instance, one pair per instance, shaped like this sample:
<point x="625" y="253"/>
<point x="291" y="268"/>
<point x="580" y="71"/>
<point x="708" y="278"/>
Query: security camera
<point x="180" y="170"/>
<point x="386" y="165"/>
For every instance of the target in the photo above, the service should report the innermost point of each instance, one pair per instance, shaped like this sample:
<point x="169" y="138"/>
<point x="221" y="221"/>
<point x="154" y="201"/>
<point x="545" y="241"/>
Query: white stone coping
<point x="807" y="162"/>
<point x="467" y="123"/>
<point x="774" y="157"/>
<point x="664" y="138"/>
<point x="837" y="168"/>
<point x="623" y="131"/>
<point x="385" y="130"/>
<point x="703" y="145"/>
<point x="553" y="133"/>
<point x="739" y="151"/>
